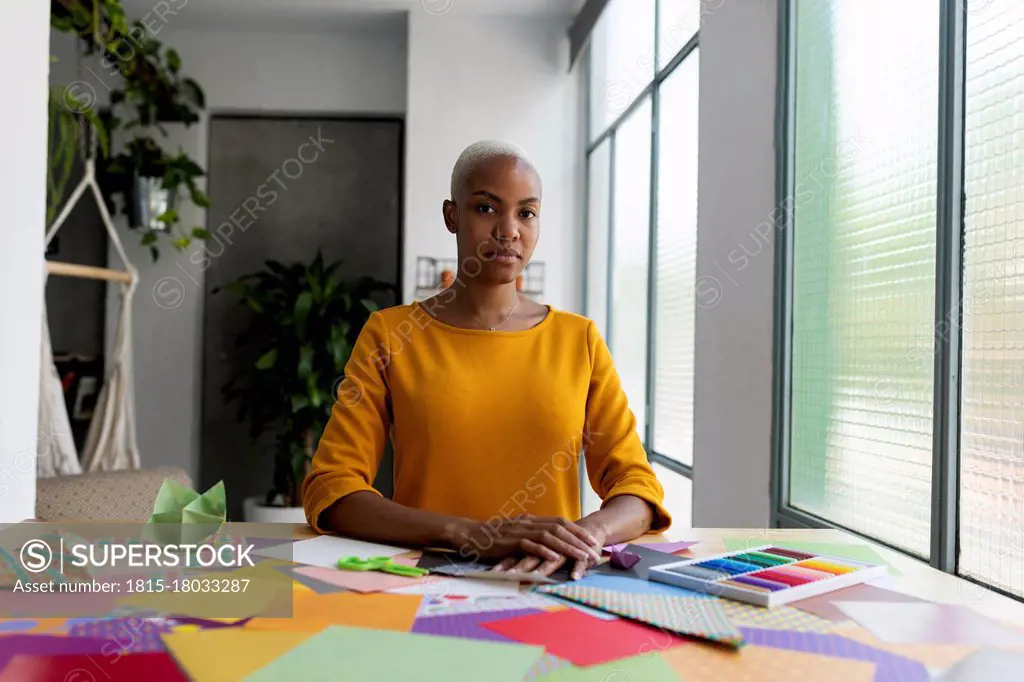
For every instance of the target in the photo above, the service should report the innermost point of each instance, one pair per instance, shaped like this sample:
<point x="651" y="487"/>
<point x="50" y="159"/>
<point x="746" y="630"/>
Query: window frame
<point x="652" y="90"/>
<point x="950" y="227"/>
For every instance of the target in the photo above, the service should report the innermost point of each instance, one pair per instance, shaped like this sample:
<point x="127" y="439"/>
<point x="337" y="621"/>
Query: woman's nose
<point x="506" y="230"/>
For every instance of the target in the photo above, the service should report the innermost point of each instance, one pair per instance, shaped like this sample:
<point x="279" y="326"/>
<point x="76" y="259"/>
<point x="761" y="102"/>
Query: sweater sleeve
<point x="616" y="461"/>
<point x="352" y="444"/>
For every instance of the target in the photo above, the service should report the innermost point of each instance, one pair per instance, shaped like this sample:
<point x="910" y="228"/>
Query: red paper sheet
<point x="83" y="667"/>
<point x="584" y="639"/>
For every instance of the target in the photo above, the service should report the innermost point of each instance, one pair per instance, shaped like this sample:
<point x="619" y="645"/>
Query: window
<point x="676" y="264"/>
<point x="621" y="60"/>
<point x="630" y="245"/>
<point x="864" y="210"/>
<point x="902" y="303"/>
<point x="598" y="197"/>
<point x="642" y="64"/>
<point x="992" y="397"/>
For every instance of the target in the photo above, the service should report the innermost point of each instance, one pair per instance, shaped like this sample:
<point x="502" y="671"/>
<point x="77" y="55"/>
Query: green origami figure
<point x="177" y="507"/>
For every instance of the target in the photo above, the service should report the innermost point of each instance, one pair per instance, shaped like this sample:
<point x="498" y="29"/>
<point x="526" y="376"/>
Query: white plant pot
<point x="257" y="512"/>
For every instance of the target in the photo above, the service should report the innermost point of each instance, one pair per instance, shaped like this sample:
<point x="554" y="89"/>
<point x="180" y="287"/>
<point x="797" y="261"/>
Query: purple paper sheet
<point x="127" y="634"/>
<point x="888" y="667"/>
<point x="468" y="625"/>
<point x="51" y="645"/>
<point x="668" y="547"/>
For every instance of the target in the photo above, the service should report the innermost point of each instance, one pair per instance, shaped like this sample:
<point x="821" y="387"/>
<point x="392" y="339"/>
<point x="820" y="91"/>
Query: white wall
<point x="478" y="77"/>
<point x="733" y="382"/>
<point x="24" y="69"/>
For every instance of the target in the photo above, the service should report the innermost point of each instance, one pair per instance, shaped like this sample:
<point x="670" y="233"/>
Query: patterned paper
<point x="128" y="634"/>
<point x="702" y="618"/>
<point x="445" y="607"/>
<point x="890" y="667"/>
<point x="775" y="618"/>
<point x="763" y="664"/>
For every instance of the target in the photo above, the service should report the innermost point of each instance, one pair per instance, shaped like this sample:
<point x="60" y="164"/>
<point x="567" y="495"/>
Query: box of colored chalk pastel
<point x="766" y="576"/>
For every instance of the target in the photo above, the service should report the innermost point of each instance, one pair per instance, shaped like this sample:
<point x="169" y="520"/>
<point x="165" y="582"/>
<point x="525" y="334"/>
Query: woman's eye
<point x="485" y="208"/>
<point x="527" y="213"/>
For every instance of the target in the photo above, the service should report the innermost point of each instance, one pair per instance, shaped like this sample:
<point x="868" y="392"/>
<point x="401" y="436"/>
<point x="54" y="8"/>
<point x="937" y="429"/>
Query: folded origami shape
<point x="181" y="515"/>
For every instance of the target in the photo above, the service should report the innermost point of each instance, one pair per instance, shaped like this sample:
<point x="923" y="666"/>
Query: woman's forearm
<point x="623" y="518"/>
<point x="367" y="516"/>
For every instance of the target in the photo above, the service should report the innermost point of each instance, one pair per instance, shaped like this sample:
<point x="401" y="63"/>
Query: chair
<point x="103" y="496"/>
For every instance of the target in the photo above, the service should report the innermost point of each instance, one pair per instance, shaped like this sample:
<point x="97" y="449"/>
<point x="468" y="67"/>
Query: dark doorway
<point x="337" y="187"/>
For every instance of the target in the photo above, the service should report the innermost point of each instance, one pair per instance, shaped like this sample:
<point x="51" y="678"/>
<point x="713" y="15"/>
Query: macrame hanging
<point x="110" y="443"/>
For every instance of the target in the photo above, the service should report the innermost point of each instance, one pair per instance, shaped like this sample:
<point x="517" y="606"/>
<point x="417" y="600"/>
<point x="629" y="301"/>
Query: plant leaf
<point x="305" y="360"/>
<point x="268" y="360"/>
<point x="302" y="305"/>
<point x="299" y="402"/>
<point x="173" y="60"/>
<point x="369" y="304"/>
<point x="200" y="233"/>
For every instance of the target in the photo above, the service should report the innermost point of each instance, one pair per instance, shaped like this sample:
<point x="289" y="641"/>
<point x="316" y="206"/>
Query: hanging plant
<point x="153" y="91"/>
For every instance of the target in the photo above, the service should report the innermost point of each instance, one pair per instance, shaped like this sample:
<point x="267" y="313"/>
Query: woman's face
<point x="496" y="220"/>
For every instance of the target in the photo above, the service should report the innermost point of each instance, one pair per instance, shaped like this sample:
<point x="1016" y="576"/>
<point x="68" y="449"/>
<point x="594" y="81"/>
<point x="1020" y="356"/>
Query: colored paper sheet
<point x="775" y="618"/>
<point x="669" y="547"/>
<point x="824" y="606"/>
<point x="449" y="563"/>
<point x="927" y="623"/>
<point x="763" y="664"/>
<point x="863" y="553"/>
<point x="228" y="655"/>
<point x="546" y="665"/>
<point x="152" y="667"/>
<point x="361" y="581"/>
<point x="889" y="667"/>
<point x="595" y="613"/>
<point x="314" y="612"/>
<point x="53" y="645"/>
<point x="325" y="550"/>
<point x="648" y="558"/>
<point x="636" y="586"/>
<point x="468" y="625"/>
<point x="136" y="635"/>
<point x="317" y="586"/>
<point x="646" y="668"/>
<point x="440" y="586"/>
<point x="346" y="654"/>
<point x="584" y="640"/>
<point x="939" y="656"/>
<point x="987" y="665"/>
<point x="700" y="618"/>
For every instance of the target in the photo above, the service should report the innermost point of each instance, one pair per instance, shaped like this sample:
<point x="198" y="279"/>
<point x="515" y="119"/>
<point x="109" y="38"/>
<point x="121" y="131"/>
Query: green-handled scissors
<point x="379" y="563"/>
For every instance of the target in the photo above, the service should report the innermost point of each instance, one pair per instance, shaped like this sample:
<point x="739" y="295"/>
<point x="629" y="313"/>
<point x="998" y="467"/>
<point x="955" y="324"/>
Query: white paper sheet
<point x="463" y="587"/>
<point x="325" y="550"/>
<point x="986" y="665"/>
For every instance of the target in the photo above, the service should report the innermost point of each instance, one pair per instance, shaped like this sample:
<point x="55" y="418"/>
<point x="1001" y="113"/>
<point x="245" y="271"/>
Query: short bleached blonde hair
<point x="481" y="153"/>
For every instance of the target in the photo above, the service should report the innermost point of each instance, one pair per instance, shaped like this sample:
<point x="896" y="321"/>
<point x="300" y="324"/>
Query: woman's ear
<point x="450" y="211"/>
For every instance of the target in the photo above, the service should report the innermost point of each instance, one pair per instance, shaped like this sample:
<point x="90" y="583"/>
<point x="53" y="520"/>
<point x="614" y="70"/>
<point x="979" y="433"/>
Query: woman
<point x="489" y="398"/>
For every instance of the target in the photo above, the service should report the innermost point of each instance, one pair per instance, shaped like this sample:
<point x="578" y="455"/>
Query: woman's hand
<point x="548" y="565"/>
<point x="544" y="541"/>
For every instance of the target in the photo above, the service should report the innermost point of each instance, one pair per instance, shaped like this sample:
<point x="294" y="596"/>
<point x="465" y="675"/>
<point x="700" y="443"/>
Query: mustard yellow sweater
<point x="484" y="424"/>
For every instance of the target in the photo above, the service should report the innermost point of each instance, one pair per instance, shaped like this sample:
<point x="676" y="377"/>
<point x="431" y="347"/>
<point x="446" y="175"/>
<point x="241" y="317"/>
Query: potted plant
<point x="305" y="320"/>
<point x="152" y="91"/>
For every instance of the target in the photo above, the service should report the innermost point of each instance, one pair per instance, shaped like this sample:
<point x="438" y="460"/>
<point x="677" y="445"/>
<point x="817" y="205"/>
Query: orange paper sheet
<point x="762" y="664"/>
<point x="313" y="612"/>
<point x="932" y="655"/>
<point x="228" y="654"/>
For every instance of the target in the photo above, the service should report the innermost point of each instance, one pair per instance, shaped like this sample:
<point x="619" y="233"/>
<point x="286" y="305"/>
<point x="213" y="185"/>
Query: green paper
<point x="178" y="506"/>
<point x="646" y="668"/>
<point x="863" y="553"/>
<point x="365" y="655"/>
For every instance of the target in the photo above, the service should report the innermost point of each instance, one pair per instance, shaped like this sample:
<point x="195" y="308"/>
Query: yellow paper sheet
<point x="696" y="663"/>
<point x="228" y="654"/>
<point x="932" y="655"/>
<point x="313" y="612"/>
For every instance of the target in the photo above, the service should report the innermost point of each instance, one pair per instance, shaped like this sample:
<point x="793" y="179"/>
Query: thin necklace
<point x="495" y="327"/>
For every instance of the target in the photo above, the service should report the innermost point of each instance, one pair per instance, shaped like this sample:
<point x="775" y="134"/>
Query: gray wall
<point x="733" y="380"/>
<point x="344" y="199"/>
